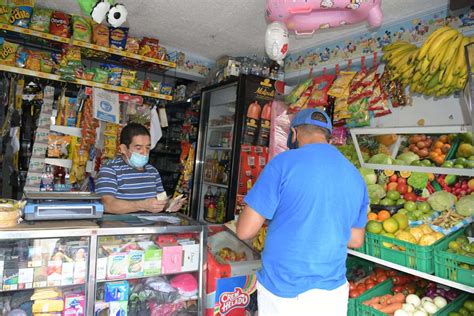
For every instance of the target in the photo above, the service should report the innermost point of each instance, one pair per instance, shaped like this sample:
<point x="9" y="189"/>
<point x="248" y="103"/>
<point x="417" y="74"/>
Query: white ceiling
<point x="212" y="28"/>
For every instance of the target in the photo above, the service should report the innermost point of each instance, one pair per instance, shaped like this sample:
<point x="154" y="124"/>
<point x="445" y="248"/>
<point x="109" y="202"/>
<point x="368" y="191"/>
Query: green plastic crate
<point x="416" y="257"/>
<point x="385" y="288"/>
<point x="368" y="267"/>
<point x="447" y="264"/>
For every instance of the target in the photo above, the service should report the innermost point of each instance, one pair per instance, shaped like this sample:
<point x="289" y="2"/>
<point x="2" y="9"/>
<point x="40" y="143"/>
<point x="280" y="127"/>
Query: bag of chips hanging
<point x="21" y="12"/>
<point x="298" y="91"/>
<point x="133" y="45"/>
<point x="81" y="29"/>
<point x="118" y="37"/>
<point x="60" y="24"/>
<point x="319" y="93"/>
<point x="41" y="19"/>
<point x="360" y="115"/>
<point x="340" y="87"/>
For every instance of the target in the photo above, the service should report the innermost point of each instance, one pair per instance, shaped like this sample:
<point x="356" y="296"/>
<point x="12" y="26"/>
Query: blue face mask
<point x="137" y="161"/>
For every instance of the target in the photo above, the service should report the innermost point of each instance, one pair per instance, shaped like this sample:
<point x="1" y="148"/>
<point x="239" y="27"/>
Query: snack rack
<point x="91" y="235"/>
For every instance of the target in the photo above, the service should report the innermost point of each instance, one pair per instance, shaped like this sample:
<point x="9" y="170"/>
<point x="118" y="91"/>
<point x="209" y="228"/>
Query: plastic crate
<point x="416" y="257"/>
<point x="368" y="267"/>
<point x="447" y="264"/>
<point x="385" y="288"/>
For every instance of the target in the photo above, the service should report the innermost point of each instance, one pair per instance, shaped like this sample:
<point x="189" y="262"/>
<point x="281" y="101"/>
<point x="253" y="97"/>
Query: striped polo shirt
<point x="118" y="179"/>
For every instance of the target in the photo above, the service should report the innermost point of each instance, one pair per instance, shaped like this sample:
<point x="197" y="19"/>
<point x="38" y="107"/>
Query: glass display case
<point x="122" y="265"/>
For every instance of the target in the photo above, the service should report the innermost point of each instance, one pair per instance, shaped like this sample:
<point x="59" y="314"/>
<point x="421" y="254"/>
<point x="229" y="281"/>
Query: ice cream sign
<point x="231" y="300"/>
<point x="304" y="17"/>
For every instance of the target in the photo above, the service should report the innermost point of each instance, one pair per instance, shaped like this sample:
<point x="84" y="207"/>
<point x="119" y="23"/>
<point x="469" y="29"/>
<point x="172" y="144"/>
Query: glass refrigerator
<point x="232" y="145"/>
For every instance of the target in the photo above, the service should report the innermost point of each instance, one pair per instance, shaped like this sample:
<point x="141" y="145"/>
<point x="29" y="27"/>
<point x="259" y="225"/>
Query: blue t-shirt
<point x="312" y="196"/>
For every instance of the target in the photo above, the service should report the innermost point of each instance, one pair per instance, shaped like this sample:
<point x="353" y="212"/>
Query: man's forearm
<point x="117" y="206"/>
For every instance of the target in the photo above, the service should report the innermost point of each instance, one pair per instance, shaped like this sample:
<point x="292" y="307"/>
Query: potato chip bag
<point x="41" y="19"/>
<point x="21" y="12"/>
<point x="81" y="29"/>
<point x="340" y="87"/>
<point x="149" y="47"/>
<point x="60" y="24"/>
<point x="128" y="77"/>
<point x="319" y="93"/>
<point x="298" y="91"/>
<point x="7" y="52"/>
<point x="100" y="35"/>
<point x="5" y="12"/>
<point x="118" y="37"/>
<point x="133" y="45"/>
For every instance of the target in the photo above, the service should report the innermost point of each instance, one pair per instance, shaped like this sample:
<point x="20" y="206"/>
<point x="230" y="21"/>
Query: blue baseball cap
<point x="312" y="117"/>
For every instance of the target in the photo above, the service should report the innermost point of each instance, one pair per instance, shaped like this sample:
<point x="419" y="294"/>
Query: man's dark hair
<point x="132" y="130"/>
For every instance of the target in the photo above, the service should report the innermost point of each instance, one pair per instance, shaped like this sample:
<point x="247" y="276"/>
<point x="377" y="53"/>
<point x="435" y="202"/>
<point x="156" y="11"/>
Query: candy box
<point x="74" y="304"/>
<point x="116" y="291"/>
<point x="80" y="268"/>
<point x="118" y="308"/>
<point x="152" y="261"/>
<point x="40" y="277"/>
<point x="55" y="272"/>
<point x="136" y="259"/>
<point x="190" y="257"/>
<point x="117" y="266"/>
<point x="172" y="258"/>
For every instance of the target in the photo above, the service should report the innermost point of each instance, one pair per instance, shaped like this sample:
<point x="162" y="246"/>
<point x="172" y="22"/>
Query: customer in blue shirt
<point x="316" y="204"/>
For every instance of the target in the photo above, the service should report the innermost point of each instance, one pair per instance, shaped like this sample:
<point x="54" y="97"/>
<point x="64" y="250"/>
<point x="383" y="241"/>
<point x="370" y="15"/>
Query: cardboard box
<point x="101" y="268"/>
<point x="117" y="266"/>
<point x="136" y="260"/>
<point x="152" y="261"/>
<point x="116" y="291"/>
<point x="55" y="273"/>
<point x="190" y="258"/>
<point x="172" y="259"/>
<point x="74" y="305"/>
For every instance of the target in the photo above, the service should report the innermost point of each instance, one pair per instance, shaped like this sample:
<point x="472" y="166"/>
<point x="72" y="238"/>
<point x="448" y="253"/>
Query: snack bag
<point x="133" y="45"/>
<point x="164" y="88"/>
<point x="114" y="74"/>
<point x="7" y="52"/>
<point x="162" y="53"/>
<point x="58" y="146"/>
<point x="302" y="101"/>
<point x="88" y="75"/>
<point x="118" y="37"/>
<point x="149" y="47"/>
<point x="360" y="115"/>
<point x="101" y="75"/>
<point x="340" y="87"/>
<point x="5" y="12"/>
<point x="100" y="35"/>
<point x="81" y="29"/>
<point x="46" y="64"/>
<point x="21" y="12"/>
<point x="341" y="111"/>
<point x="296" y="93"/>
<point x="33" y="61"/>
<point x="128" y="76"/>
<point x="60" y="24"/>
<point x="40" y="19"/>
<point x="319" y="93"/>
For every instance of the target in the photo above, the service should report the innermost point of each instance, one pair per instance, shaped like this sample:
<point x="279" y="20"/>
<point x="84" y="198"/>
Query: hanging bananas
<point x="438" y="68"/>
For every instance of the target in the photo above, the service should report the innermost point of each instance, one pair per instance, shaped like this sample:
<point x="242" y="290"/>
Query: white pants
<point x="310" y="303"/>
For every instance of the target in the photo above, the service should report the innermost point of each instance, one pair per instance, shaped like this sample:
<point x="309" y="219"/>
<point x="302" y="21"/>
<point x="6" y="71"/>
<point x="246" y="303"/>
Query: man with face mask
<point x="316" y="203"/>
<point x="128" y="183"/>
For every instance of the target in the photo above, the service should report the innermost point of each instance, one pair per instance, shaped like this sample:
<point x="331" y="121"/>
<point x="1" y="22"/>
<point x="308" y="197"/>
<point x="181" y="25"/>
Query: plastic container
<point x="447" y="264"/>
<point x="368" y="268"/>
<point x="393" y="209"/>
<point x="415" y="257"/>
<point x="385" y="288"/>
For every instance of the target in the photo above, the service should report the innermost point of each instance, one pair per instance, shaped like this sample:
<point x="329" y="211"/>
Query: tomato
<point x="354" y="293"/>
<point x="352" y="286"/>
<point x="381" y="278"/>
<point x="402" y="180"/>
<point x="400" y="279"/>
<point x="369" y="282"/>
<point x="371" y="285"/>
<point x="410" y="196"/>
<point x="373" y="277"/>
<point x="361" y="287"/>
<point x="391" y="273"/>
<point x="409" y="289"/>
<point x="397" y="289"/>
<point x="393" y="178"/>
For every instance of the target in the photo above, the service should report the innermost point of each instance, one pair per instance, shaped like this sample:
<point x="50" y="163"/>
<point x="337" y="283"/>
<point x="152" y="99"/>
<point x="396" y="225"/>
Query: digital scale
<point x="62" y="205"/>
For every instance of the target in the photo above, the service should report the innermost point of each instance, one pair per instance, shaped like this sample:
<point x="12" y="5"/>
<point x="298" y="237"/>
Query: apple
<point x="402" y="188"/>
<point x="393" y="178"/>
<point x="402" y="180"/>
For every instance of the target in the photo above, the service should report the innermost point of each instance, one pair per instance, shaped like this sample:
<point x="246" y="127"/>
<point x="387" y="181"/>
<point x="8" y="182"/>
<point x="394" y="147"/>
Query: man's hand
<point x="177" y="206"/>
<point x="153" y="205"/>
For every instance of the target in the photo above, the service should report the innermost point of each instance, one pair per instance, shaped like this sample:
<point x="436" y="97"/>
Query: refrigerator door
<point x="215" y="151"/>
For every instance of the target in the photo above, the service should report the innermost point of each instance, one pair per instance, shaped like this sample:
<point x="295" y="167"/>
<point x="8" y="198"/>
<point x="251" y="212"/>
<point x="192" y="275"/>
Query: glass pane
<point x="28" y="266"/>
<point x="148" y="274"/>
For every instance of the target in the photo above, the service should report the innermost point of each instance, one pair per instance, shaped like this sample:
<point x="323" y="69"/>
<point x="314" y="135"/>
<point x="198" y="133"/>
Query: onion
<point x="440" y="302"/>
<point x="420" y="312"/>
<point x="413" y="300"/>
<point x="430" y="308"/>
<point x="408" y="308"/>
<point x="426" y="299"/>
<point x="400" y="312"/>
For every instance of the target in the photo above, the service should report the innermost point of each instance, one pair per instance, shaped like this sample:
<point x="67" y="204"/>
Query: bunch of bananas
<point x="258" y="242"/>
<point x="437" y="68"/>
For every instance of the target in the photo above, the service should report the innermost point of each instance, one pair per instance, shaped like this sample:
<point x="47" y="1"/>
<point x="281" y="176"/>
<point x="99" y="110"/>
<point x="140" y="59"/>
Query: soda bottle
<point x="263" y="138"/>
<point x="211" y="212"/>
<point x="221" y="208"/>
<point x="251" y="123"/>
<point x="207" y="200"/>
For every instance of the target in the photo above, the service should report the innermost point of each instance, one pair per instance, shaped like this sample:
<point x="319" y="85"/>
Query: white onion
<point x="400" y="312"/>
<point x="440" y="302"/>
<point x="430" y="307"/>
<point x="408" y="307"/>
<point x="413" y="300"/>
<point x="420" y="312"/>
<point x="426" y="299"/>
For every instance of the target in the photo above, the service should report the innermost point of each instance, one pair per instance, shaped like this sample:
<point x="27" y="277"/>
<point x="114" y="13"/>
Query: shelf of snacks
<point x="423" y="275"/>
<point x="438" y="150"/>
<point x="89" y="46"/>
<point x="88" y="83"/>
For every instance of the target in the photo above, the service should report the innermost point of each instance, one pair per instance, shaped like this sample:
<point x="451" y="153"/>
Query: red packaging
<point x="319" y="93"/>
<point x="261" y="157"/>
<point x="60" y="24"/>
<point x="247" y="165"/>
<point x="149" y="47"/>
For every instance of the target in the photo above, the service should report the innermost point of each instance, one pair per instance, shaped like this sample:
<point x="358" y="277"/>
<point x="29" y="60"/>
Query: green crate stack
<point x="385" y="288"/>
<point x="364" y="264"/>
<point x="447" y="264"/>
<point x="416" y="257"/>
<point x="456" y="304"/>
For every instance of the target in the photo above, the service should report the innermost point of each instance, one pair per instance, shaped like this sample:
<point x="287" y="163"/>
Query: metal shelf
<point x="219" y="148"/>
<point x="436" y="170"/>
<point x="221" y="126"/>
<point x="216" y="184"/>
<point x="43" y="287"/>
<point x="145" y="276"/>
<point x="412" y="271"/>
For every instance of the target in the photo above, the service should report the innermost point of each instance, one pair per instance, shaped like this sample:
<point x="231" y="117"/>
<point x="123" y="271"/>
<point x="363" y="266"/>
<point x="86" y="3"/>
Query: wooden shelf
<point x="104" y="86"/>
<point x="93" y="47"/>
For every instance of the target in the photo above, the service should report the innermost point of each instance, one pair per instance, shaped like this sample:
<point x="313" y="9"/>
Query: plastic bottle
<point x="207" y="200"/>
<point x="251" y="123"/>
<point x="221" y="208"/>
<point x="263" y="138"/>
<point x="211" y="212"/>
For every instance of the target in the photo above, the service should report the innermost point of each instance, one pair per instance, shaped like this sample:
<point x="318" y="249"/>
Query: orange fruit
<point x="392" y="186"/>
<point x="390" y="225"/>
<point x="372" y="216"/>
<point x="405" y="174"/>
<point x="443" y="138"/>
<point x="383" y="215"/>
<point x="438" y="144"/>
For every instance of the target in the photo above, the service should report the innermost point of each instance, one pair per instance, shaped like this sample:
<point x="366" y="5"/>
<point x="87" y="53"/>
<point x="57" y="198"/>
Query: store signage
<point x="231" y="300"/>
<point x="235" y="296"/>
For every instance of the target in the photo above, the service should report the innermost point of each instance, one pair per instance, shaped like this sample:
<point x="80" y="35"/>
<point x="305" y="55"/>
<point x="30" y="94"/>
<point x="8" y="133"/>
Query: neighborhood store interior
<point x="218" y="85"/>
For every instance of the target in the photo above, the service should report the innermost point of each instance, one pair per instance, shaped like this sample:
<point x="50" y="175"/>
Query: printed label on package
<point x="236" y="296"/>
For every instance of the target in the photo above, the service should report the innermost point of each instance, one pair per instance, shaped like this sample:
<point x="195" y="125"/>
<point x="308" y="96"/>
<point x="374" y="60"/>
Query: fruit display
<point x="417" y="211"/>
<point x="437" y="68"/>
<point x="462" y="247"/>
<point x="388" y="303"/>
<point x="467" y="308"/>
<point x="359" y="286"/>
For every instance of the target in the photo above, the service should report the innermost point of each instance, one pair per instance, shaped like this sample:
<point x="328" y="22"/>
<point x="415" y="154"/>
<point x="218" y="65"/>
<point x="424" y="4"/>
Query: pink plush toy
<point x="304" y="17"/>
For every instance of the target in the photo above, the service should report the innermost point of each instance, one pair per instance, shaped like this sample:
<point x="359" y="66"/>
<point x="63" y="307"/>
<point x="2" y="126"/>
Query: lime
<point x="469" y="305"/>
<point x="426" y="163"/>
<point x="447" y="164"/>
<point x="402" y="211"/>
<point x="469" y="164"/>
<point x="416" y="163"/>
<point x="418" y="213"/>
<point x="412" y="217"/>
<point x="387" y="202"/>
<point x="453" y="245"/>
<point x="400" y="202"/>
<point x="464" y="311"/>
<point x="410" y="206"/>
<point x="459" y="166"/>
<point x="374" y="227"/>
<point x="460" y="160"/>
<point x="424" y="207"/>
<point x="393" y="195"/>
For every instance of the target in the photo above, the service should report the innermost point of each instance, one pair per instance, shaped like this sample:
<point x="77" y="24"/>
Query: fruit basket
<point x="413" y="256"/>
<point x="453" y="266"/>
<point x="386" y="288"/>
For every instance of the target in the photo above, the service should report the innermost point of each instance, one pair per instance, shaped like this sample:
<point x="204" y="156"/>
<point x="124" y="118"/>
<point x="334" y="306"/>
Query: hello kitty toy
<point x="304" y="17"/>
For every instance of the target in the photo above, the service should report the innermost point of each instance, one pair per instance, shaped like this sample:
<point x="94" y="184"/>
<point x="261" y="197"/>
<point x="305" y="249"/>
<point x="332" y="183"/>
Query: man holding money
<point x="129" y="183"/>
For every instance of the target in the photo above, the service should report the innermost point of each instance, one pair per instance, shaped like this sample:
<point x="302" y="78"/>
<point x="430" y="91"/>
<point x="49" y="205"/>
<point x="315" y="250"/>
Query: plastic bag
<point x="133" y="45"/>
<point x="360" y="115"/>
<point x="341" y="111"/>
<point x="280" y="128"/>
<point x="7" y="52"/>
<point x="298" y="91"/>
<point x="319" y="93"/>
<point x="149" y="47"/>
<point x="118" y="37"/>
<point x="40" y="20"/>
<point x="5" y="12"/>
